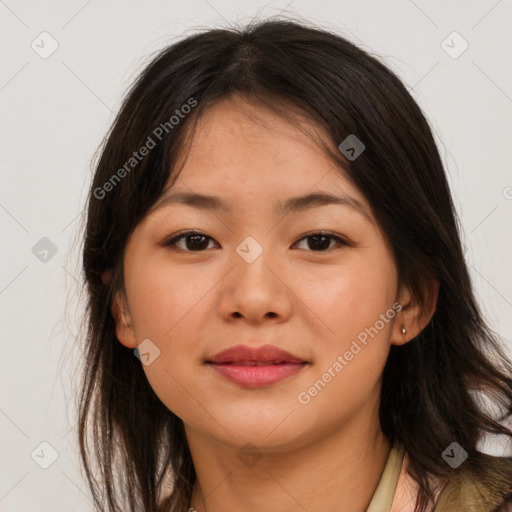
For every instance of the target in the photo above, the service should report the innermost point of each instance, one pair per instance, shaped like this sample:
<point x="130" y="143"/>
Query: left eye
<point x="196" y="242"/>
<point x="320" y="242"/>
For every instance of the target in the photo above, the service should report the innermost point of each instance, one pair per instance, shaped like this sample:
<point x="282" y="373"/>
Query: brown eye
<point x="193" y="241"/>
<point x="321" y="242"/>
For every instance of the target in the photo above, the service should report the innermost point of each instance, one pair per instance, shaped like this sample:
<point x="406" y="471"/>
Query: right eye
<point x="194" y="241"/>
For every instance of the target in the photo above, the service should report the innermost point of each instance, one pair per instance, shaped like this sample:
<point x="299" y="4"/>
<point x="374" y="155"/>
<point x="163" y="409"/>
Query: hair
<point x="430" y="385"/>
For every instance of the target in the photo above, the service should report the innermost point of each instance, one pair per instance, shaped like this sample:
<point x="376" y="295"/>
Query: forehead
<point x="240" y="147"/>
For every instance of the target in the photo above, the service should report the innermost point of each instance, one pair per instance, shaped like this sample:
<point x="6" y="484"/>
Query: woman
<point x="280" y="316"/>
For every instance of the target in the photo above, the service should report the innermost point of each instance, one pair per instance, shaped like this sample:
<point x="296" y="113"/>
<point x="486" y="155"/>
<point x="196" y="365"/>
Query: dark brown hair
<point x="429" y="385"/>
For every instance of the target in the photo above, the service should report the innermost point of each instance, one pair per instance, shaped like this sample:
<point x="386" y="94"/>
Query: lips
<point x="256" y="367"/>
<point x="264" y="355"/>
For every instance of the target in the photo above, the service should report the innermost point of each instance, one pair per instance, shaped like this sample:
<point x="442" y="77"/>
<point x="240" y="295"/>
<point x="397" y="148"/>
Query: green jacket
<point x="488" y="489"/>
<point x="482" y="487"/>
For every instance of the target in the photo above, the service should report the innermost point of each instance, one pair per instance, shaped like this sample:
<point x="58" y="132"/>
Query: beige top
<point x="396" y="491"/>
<point x="383" y="497"/>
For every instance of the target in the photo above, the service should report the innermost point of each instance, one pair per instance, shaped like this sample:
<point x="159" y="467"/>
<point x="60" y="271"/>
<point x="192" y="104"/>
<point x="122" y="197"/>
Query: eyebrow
<point x="293" y="204"/>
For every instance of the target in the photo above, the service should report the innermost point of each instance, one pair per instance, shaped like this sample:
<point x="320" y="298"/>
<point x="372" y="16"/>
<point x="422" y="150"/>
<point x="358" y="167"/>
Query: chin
<point x="268" y="432"/>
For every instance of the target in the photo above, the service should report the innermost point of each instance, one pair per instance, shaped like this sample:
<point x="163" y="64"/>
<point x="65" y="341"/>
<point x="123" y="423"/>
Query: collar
<point x="383" y="498"/>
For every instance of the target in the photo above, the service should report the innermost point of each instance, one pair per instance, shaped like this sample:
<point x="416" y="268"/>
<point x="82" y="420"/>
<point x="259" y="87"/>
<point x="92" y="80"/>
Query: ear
<point x="106" y="277"/>
<point x="124" y="324"/>
<point x="413" y="318"/>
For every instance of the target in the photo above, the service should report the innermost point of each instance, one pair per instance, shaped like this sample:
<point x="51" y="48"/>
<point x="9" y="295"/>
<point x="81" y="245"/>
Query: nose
<point x="255" y="290"/>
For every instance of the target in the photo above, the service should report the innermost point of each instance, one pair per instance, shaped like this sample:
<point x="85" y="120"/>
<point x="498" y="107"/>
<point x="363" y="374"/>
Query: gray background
<point x="55" y="111"/>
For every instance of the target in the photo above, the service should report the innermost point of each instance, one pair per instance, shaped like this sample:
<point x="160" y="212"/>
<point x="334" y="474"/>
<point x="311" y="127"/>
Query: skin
<point x="312" y="303"/>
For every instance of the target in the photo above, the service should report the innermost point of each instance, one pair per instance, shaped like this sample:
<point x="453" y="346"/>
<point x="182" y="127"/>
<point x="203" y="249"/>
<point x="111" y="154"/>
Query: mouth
<point x="256" y="363"/>
<point x="252" y="374"/>
<point x="260" y="367"/>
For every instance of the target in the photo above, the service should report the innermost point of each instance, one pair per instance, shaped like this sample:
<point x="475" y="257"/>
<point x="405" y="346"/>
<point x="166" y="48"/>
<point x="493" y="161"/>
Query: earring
<point x="403" y="330"/>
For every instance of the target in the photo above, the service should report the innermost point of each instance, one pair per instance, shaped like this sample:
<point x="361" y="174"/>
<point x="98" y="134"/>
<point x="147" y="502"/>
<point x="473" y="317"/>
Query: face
<point x="316" y="279"/>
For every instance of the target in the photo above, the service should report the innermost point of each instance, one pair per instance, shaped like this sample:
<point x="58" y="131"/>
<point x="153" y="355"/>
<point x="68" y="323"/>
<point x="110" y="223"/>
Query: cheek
<point x="350" y="298"/>
<point x="356" y="305"/>
<point x="163" y="298"/>
<point x="169" y="309"/>
<point x="355" y="302"/>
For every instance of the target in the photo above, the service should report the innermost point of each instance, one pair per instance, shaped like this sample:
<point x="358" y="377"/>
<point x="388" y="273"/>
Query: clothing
<point x="397" y="491"/>
<point x="485" y="489"/>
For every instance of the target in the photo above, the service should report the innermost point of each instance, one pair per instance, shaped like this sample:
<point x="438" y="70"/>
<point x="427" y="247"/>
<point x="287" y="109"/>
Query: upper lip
<point x="265" y="353"/>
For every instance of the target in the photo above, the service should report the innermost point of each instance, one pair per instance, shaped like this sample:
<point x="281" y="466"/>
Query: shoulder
<point x="482" y="486"/>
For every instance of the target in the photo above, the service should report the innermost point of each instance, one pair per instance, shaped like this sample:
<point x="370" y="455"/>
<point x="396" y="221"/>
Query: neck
<point x="338" y="471"/>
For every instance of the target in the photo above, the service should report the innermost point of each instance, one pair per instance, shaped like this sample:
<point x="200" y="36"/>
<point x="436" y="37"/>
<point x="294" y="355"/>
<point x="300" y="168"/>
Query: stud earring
<point x="403" y="330"/>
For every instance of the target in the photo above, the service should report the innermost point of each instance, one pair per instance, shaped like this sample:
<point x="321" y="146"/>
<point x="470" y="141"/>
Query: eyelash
<point x="171" y="242"/>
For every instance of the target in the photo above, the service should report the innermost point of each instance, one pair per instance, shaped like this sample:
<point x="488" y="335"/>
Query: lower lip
<point x="258" y="376"/>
